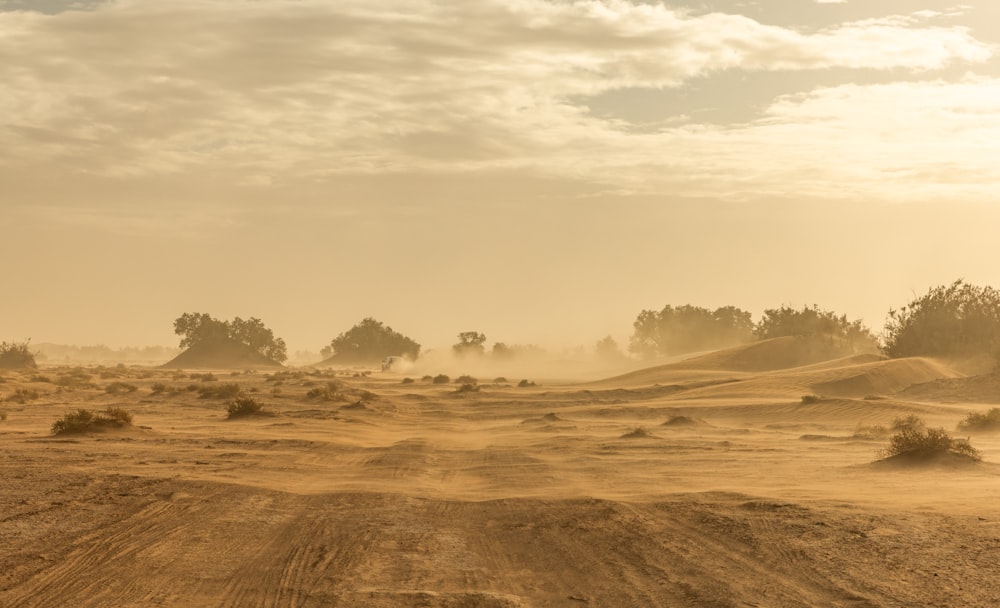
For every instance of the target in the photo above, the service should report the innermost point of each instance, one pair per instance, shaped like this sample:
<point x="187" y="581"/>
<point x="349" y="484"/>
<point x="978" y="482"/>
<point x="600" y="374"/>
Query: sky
<point x="538" y="170"/>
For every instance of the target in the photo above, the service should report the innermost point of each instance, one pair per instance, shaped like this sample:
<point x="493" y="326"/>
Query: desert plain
<point x="705" y="481"/>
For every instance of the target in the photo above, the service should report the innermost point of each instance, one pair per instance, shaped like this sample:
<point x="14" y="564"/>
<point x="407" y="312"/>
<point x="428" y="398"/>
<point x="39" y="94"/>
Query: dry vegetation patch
<point x="981" y="423"/>
<point x="82" y="421"/>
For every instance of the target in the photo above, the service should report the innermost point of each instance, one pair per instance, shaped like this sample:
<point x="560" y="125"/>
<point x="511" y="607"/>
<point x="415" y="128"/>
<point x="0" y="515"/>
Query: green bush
<point x="83" y="420"/>
<point x="245" y="406"/>
<point x="988" y="422"/>
<point x="923" y="443"/>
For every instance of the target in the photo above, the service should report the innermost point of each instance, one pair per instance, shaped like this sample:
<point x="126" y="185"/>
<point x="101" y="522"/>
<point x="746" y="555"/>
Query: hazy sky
<point x="539" y="170"/>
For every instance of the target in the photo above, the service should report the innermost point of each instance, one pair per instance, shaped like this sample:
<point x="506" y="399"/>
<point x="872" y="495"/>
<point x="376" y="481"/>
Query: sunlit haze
<point x="537" y="170"/>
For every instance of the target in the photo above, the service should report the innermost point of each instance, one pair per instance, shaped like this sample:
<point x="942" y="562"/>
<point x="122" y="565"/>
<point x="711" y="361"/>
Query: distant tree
<point x="470" y="343"/>
<point x="607" y="348"/>
<point x="370" y="341"/>
<point x="684" y="329"/>
<point x="16" y="355"/>
<point x="953" y="320"/>
<point x="198" y="328"/>
<point x="812" y="321"/>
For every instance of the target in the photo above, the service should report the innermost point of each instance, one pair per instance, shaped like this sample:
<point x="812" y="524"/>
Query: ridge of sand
<point x="220" y="354"/>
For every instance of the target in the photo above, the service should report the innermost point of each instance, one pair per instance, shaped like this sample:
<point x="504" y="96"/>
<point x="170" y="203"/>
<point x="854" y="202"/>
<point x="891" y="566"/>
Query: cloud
<point x="273" y="93"/>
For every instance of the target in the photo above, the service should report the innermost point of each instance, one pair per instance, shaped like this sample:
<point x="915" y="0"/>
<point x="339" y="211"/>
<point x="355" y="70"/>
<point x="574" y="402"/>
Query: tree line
<point x="959" y="319"/>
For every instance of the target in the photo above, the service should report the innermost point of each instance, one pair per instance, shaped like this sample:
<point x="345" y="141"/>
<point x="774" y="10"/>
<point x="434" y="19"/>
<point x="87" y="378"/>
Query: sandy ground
<point x="417" y="495"/>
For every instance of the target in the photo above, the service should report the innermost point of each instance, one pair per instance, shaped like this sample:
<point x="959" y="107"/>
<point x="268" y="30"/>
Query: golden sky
<point x="539" y="170"/>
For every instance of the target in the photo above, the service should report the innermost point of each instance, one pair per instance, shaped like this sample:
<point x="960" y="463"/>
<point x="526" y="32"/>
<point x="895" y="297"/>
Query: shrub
<point x="245" y="406"/>
<point x="120" y="387"/>
<point x="74" y="378"/>
<point x="23" y="395"/>
<point x="428" y="378"/>
<point x="499" y="380"/>
<point x="3" y="416"/>
<point x="407" y="381"/>
<point x="875" y="431"/>
<point x="684" y="329"/>
<point x="911" y="422"/>
<point x="526" y="384"/>
<point x="468" y="388"/>
<point x="228" y="390"/>
<point x="159" y="388"/>
<point x="84" y="420"/>
<point x="466" y="379"/>
<point x="16" y="355"/>
<point x="988" y="422"/>
<point x="810" y="399"/>
<point x="927" y="443"/>
<point x="330" y="392"/>
<point x="206" y="377"/>
<point x="441" y="379"/>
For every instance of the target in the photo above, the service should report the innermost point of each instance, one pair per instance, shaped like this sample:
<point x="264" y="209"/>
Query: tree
<point x="812" y="321"/>
<point x="201" y="328"/>
<point x="197" y="327"/>
<point x="606" y="348"/>
<point x="470" y="343"/>
<point x="953" y="320"/>
<point x="370" y="341"/>
<point x="684" y="329"/>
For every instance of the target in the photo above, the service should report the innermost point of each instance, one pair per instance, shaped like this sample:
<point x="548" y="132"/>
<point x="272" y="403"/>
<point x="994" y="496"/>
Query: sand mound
<point x="767" y="355"/>
<point x="639" y="433"/>
<point x="220" y="354"/>
<point x="684" y="421"/>
<point x="882" y="377"/>
<point x="984" y="388"/>
<point x="917" y="460"/>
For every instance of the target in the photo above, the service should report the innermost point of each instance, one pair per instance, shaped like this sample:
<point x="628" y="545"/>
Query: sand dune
<point x="562" y="495"/>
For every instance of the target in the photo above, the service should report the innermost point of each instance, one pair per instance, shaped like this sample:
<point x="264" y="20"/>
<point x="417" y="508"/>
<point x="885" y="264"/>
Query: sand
<point x="414" y="495"/>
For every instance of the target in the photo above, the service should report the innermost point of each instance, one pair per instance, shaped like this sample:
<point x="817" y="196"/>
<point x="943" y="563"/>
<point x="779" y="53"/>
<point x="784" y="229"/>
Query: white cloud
<point x="275" y="92"/>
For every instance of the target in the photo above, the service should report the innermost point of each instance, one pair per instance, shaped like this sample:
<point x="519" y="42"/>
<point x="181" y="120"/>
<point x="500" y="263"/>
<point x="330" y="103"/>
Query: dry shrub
<point x="526" y="384"/>
<point x="810" y="399"/>
<point x="120" y="387"/>
<point x="228" y="390"/>
<point x="83" y="420"/>
<point x="16" y="355"/>
<point x="982" y="423"/>
<point x="23" y="395"/>
<point x="441" y="379"/>
<point x="330" y="392"/>
<point x="245" y="406"/>
<point x="468" y="388"/>
<point x="923" y="444"/>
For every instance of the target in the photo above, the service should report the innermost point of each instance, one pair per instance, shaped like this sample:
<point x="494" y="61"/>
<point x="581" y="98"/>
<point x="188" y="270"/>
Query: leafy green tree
<point x="954" y="320"/>
<point x="684" y="329"/>
<point x="201" y="328"/>
<point x="370" y="341"/>
<point x="470" y="343"/>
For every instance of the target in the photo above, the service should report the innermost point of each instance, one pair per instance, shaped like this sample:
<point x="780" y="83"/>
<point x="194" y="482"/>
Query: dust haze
<point x="492" y="304"/>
